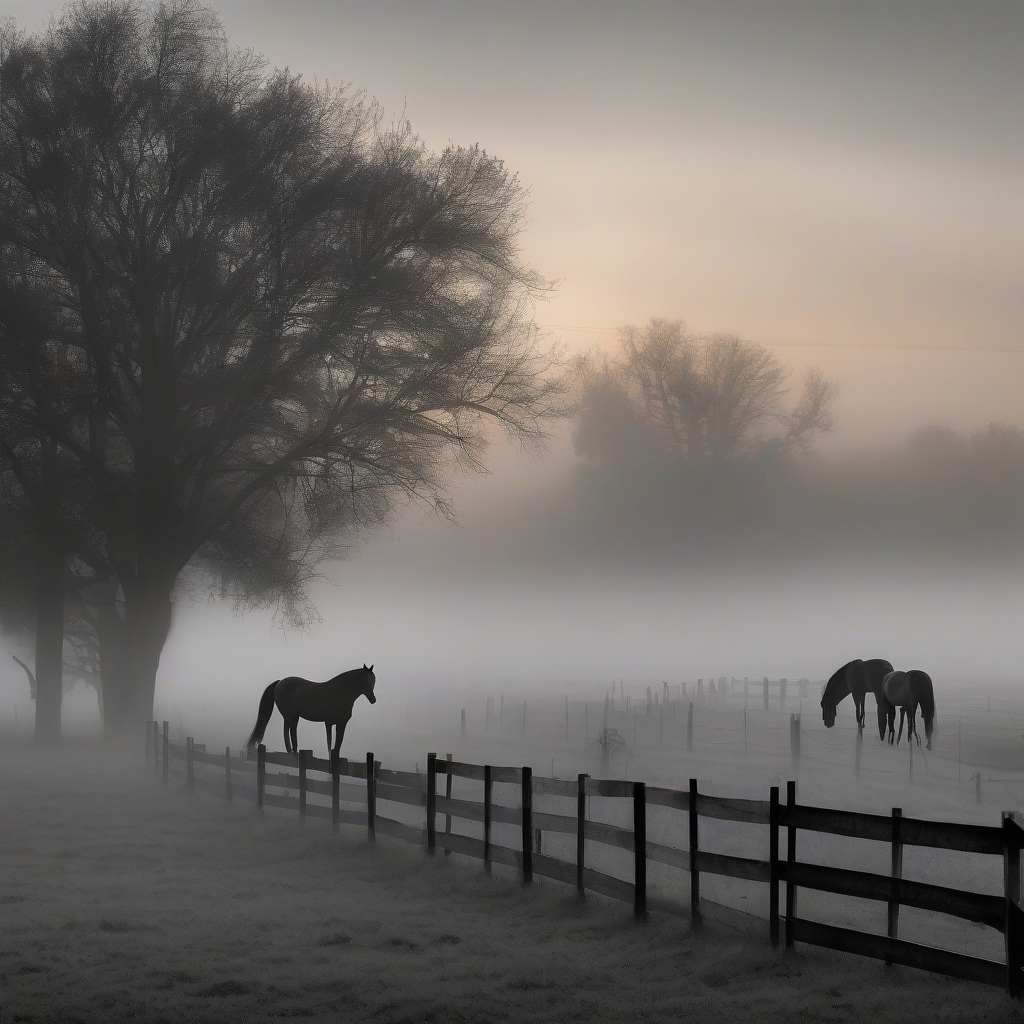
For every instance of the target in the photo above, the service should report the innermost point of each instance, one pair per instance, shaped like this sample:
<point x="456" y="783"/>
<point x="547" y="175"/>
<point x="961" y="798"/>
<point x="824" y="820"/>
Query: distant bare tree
<point x="698" y="400"/>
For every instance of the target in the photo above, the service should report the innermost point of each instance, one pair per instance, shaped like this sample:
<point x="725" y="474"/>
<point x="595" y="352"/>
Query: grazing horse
<point x="330" y="703"/>
<point x="856" y="677"/>
<point x="906" y="691"/>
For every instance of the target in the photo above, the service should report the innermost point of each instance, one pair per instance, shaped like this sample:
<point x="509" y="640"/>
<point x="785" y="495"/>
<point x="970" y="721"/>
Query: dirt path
<point x="122" y="901"/>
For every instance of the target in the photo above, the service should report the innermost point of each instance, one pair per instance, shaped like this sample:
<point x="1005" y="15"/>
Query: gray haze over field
<point x="838" y="181"/>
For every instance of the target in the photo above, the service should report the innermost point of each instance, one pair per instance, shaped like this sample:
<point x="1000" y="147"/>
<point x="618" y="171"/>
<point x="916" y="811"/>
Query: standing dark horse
<point x="907" y="691"/>
<point x="330" y="703"/>
<point x="856" y="677"/>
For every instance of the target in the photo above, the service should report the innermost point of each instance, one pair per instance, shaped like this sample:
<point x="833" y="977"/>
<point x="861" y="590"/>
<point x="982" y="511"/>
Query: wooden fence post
<point x="766" y="693"/>
<point x="896" y="873"/>
<point x="304" y="756"/>
<point x="639" y="851"/>
<point x="782" y="692"/>
<point x="150" y="747"/>
<point x="790" y="861"/>
<point x="527" y="800"/>
<point x="190" y="773"/>
<point x="1013" y="924"/>
<point x="773" y="866"/>
<point x="689" y="728"/>
<point x="227" y="774"/>
<point x="581" y="831"/>
<point x="448" y="796"/>
<point x="431" y="803"/>
<point x="488" y="787"/>
<point x="371" y="798"/>
<point x="167" y="752"/>
<point x="335" y="791"/>
<point x="261" y="774"/>
<point x="694" y="869"/>
<point x="156" y="748"/>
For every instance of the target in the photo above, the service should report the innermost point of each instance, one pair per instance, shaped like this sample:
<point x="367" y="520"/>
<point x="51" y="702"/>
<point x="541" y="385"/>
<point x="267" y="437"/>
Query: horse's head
<point x="828" y="713"/>
<point x="370" y="680"/>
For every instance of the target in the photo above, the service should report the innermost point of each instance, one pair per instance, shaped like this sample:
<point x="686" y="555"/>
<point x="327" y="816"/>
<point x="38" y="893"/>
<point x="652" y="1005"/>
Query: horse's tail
<point x="266" y="710"/>
<point x="925" y="694"/>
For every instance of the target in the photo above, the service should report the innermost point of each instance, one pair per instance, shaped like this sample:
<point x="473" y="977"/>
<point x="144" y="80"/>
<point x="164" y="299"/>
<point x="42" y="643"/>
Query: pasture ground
<point x="123" y="901"/>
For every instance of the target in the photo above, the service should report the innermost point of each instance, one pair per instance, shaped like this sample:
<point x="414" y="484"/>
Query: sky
<point x="838" y="179"/>
<point x="841" y="180"/>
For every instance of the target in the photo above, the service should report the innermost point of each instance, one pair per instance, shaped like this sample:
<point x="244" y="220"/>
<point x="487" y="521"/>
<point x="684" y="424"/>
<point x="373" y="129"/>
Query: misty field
<point x="127" y="901"/>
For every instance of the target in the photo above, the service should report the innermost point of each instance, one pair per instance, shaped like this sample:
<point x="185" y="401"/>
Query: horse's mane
<point x="836" y="677"/>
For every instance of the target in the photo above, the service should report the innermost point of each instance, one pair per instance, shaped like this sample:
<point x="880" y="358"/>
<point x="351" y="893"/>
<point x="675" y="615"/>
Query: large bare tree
<point x="282" y="312"/>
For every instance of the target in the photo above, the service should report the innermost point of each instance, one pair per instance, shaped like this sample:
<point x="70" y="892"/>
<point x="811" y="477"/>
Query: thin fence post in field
<point x="227" y="774"/>
<point x="156" y="747"/>
<point x="431" y="803"/>
<point x="790" y="861"/>
<point x="167" y="753"/>
<point x="745" y="749"/>
<point x="639" y="851"/>
<point x="448" y="796"/>
<point x="581" y="831"/>
<point x="371" y="798"/>
<point x="661" y="726"/>
<point x="1013" y="924"/>
<point x="463" y="725"/>
<point x="792" y="741"/>
<point x="782" y="692"/>
<point x="694" y="847"/>
<point x="149" y="741"/>
<point x="488" y="789"/>
<point x="304" y="756"/>
<point x="766" y="693"/>
<point x="190" y="771"/>
<point x="527" y="801"/>
<point x="261" y="774"/>
<point x="335" y="791"/>
<point x="858" y="746"/>
<point x="977" y="787"/>
<point x="773" y="866"/>
<point x="689" y="727"/>
<point x="896" y="873"/>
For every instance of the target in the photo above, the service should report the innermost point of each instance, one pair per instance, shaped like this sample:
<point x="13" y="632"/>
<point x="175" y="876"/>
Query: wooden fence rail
<point x="365" y="784"/>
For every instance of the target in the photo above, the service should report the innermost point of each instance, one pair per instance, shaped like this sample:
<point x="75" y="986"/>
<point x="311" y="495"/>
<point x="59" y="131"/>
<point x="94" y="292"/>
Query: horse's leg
<point x="294" y="727"/>
<point x="903" y="715"/>
<point x="339" y="733"/>
<point x="287" y="737"/>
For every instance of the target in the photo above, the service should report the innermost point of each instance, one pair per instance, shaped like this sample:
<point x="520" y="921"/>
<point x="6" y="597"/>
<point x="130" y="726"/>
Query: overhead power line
<point x="1008" y="349"/>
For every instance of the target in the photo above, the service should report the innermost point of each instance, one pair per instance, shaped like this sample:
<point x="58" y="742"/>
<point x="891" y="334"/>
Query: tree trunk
<point x="50" y="593"/>
<point x="128" y="694"/>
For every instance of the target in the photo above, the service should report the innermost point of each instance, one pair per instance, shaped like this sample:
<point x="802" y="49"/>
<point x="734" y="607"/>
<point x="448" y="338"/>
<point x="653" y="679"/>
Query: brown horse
<point x="906" y="691"/>
<point x="858" y="678"/>
<point x="330" y="702"/>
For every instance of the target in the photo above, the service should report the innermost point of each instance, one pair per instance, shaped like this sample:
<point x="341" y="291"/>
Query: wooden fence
<point x="255" y="780"/>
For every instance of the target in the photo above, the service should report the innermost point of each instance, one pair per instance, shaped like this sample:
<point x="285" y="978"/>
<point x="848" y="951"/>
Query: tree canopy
<point x="268" y="312"/>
